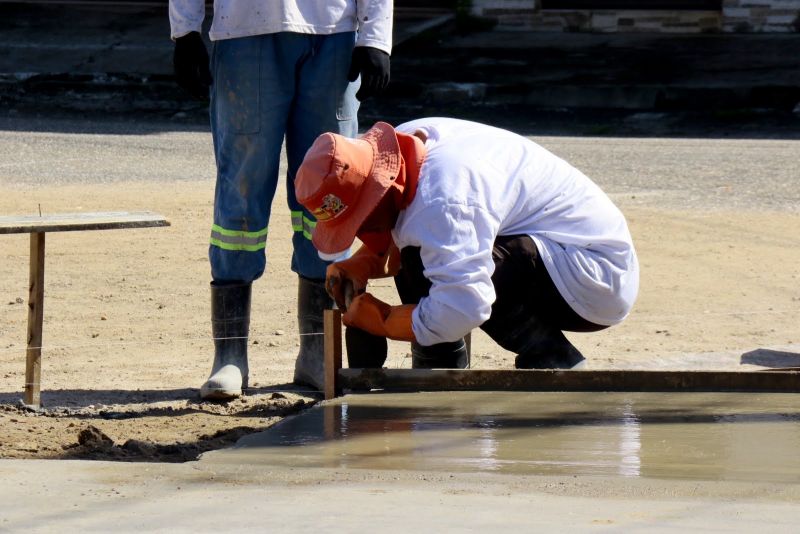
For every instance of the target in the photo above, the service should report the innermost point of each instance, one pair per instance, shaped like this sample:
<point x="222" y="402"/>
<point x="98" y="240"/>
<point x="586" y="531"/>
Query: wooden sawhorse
<point x="37" y="226"/>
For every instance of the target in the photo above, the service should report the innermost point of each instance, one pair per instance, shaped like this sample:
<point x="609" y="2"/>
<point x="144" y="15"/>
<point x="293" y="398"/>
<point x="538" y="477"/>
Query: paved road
<point x="757" y="174"/>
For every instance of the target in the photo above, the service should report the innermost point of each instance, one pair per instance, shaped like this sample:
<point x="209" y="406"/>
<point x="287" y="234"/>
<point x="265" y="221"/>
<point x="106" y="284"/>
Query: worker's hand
<point x="373" y="66"/>
<point x="367" y="313"/>
<point x="348" y="278"/>
<point x="344" y="281"/>
<point x="378" y="318"/>
<point x="190" y="61"/>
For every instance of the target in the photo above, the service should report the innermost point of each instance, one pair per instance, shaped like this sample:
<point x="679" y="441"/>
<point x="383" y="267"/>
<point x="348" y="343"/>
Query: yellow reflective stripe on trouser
<point x="301" y="223"/>
<point x="238" y="239"/>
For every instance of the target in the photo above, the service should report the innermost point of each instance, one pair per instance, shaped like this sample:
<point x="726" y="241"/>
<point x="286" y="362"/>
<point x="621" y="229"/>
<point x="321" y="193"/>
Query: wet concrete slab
<point x="682" y="436"/>
<point x="451" y="462"/>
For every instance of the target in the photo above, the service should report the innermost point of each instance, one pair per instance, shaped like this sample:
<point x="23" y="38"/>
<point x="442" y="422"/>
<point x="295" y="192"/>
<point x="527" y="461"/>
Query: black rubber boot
<point x="537" y="343"/>
<point x="550" y="351"/>
<point x="230" y="324"/>
<point x="452" y="355"/>
<point x="365" y="350"/>
<point x="312" y="301"/>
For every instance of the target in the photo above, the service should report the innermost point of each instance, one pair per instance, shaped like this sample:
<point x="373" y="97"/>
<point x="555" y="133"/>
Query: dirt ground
<point x="127" y="337"/>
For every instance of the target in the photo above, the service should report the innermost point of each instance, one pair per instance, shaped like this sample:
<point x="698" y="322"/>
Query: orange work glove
<point x="378" y="318"/>
<point x="357" y="270"/>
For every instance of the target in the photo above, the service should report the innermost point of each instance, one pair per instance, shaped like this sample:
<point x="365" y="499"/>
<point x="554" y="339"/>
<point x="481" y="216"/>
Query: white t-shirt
<point x="243" y="18"/>
<point x="478" y="182"/>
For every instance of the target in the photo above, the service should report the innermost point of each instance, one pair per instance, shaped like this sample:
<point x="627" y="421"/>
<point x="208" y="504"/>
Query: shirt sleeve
<point x="456" y="244"/>
<point x="186" y="16"/>
<point x="375" y="24"/>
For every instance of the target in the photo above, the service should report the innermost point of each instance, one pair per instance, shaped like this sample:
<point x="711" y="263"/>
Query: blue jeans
<point x="268" y="87"/>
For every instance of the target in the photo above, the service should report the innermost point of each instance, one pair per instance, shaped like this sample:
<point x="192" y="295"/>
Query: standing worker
<point x="282" y="68"/>
<point x="480" y="228"/>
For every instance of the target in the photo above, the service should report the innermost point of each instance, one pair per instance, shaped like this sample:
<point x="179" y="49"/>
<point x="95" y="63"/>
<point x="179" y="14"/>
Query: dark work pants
<point x="528" y="305"/>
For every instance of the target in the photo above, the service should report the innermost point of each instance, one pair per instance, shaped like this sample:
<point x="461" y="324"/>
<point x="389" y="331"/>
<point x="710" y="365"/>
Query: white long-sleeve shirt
<point x="242" y="18"/>
<point x="478" y="182"/>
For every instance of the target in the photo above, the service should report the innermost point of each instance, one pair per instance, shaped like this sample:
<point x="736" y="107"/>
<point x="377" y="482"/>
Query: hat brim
<point x="335" y="235"/>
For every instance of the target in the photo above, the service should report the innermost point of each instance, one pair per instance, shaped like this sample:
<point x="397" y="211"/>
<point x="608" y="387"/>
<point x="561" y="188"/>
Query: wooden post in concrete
<point x="333" y="352"/>
<point x="33" y="354"/>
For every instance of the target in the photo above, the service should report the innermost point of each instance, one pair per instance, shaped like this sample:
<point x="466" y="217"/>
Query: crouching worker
<point x="480" y="227"/>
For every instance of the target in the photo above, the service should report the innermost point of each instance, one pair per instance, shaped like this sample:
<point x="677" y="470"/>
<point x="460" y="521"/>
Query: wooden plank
<point x="67" y="222"/>
<point x="561" y="380"/>
<point x="33" y="353"/>
<point x="332" y="326"/>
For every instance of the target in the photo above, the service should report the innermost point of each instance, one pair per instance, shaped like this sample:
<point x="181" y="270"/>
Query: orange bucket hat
<point x="342" y="180"/>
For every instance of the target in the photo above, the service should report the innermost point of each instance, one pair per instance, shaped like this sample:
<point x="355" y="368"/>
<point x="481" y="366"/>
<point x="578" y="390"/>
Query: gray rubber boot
<point x="312" y="301"/>
<point x="452" y="355"/>
<point x="230" y="324"/>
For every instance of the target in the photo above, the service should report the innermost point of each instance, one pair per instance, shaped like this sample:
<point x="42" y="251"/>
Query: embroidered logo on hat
<point x="342" y="180"/>
<point x="332" y="206"/>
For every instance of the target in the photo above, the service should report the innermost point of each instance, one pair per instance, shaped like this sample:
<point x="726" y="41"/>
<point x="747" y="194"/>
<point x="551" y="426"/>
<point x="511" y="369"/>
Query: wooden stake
<point x="33" y="354"/>
<point x="37" y="226"/>
<point x="333" y="352"/>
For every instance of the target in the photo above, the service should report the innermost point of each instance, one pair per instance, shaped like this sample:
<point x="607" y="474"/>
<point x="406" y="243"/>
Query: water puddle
<point x="708" y="436"/>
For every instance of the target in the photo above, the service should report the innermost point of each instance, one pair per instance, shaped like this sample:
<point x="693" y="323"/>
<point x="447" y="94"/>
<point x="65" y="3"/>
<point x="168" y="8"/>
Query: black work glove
<point x="373" y="66"/>
<point x="190" y="60"/>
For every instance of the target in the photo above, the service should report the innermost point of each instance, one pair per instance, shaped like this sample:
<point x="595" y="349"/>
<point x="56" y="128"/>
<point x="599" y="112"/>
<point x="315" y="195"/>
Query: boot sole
<point x="219" y="394"/>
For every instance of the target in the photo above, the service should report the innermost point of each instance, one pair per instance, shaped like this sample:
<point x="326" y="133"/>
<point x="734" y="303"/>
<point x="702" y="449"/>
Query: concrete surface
<point x="682" y="436"/>
<point x="103" y="497"/>
<point x="408" y="484"/>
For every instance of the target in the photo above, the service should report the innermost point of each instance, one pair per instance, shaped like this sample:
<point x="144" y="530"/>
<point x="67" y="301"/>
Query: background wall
<point x="735" y="16"/>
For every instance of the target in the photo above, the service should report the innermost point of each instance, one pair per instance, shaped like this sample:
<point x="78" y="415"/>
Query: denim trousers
<point x="268" y="88"/>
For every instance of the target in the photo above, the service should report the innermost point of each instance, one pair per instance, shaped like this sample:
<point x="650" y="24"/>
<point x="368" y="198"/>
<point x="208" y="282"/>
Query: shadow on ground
<point x="774" y="359"/>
